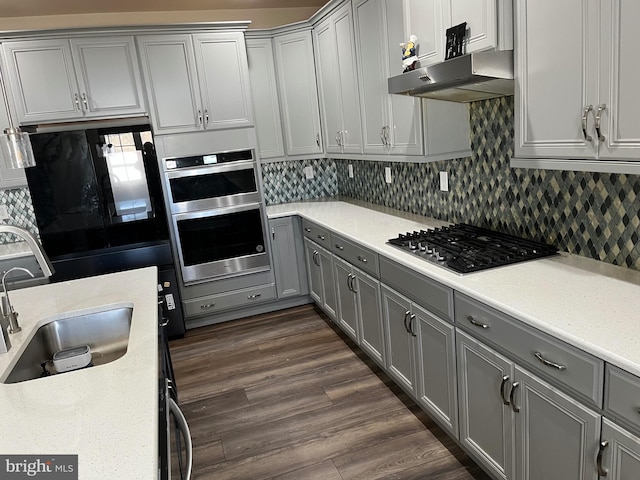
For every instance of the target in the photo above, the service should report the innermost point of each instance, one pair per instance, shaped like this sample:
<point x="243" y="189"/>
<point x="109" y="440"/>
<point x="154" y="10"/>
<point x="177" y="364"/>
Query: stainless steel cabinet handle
<point x="353" y="280"/>
<point x="338" y="142"/>
<point x="603" y="472"/>
<point x="200" y="116"/>
<point x="77" y="101"/>
<point x="315" y="258"/>
<point x="473" y="321"/>
<point x="184" y="428"/>
<point x="317" y="139"/>
<point x="406" y="317"/>
<point x="585" y="115"/>
<point x="514" y="387"/>
<point x="339" y="247"/>
<point x="322" y="237"/>
<point x="601" y="108"/>
<point x="273" y="233"/>
<point x="387" y="131"/>
<point x="349" y="282"/>
<point x="254" y="296"/>
<point x="207" y="305"/>
<point x="206" y="116"/>
<point x="382" y="139"/>
<point x="85" y="101"/>
<point x="362" y="259"/>
<point x="505" y="379"/>
<point x="412" y="317"/>
<point x="308" y="230"/>
<point x="548" y="363"/>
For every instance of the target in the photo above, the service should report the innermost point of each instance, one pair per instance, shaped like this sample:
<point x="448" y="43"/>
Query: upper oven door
<point x="213" y="186"/>
<point x="221" y="242"/>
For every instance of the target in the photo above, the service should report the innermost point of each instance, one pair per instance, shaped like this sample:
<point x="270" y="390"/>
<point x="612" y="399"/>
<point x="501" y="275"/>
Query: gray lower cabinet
<point x="359" y="310"/>
<point x="517" y="425"/>
<point x="320" y="274"/>
<point x="286" y="243"/>
<point x="619" y="457"/>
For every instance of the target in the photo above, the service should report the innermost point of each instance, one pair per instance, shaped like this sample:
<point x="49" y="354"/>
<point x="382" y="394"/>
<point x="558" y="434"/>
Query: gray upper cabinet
<point x="337" y="81"/>
<point x="9" y="177"/>
<point x="264" y="93"/>
<point x="59" y="79"/>
<point x="196" y="82"/>
<point x="297" y="88"/>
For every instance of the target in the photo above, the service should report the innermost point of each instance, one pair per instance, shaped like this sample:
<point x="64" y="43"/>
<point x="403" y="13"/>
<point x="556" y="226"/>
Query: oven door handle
<point x="184" y="429"/>
<point x="215" y="212"/>
<point x="211" y="169"/>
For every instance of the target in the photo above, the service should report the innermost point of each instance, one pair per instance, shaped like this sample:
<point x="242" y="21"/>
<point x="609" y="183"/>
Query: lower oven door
<point x="221" y="242"/>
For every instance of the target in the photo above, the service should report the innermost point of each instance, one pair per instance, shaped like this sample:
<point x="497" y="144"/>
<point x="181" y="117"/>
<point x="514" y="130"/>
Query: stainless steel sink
<point x="106" y="332"/>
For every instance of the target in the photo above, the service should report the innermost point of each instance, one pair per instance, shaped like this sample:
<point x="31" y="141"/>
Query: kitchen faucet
<point x="8" y="312"/>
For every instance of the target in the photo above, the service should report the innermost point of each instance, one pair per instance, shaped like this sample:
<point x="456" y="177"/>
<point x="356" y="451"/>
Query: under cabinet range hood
<point x="470" y="77"/>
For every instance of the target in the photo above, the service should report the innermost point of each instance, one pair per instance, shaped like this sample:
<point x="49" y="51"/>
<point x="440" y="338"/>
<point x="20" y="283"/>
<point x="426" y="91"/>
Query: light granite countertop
<point x="107" y="414"/>
<point x="589" y="304"/>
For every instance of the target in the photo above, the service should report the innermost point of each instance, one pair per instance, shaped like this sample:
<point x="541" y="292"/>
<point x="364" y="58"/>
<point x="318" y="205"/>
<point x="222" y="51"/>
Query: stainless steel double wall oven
<point x="217" y="215"/>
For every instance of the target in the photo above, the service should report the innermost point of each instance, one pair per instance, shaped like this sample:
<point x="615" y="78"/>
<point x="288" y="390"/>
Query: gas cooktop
<point x="464" y="248"/>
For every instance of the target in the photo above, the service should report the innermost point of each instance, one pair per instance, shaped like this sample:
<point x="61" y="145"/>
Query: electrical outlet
<point x="350" y="171"/>
<point x="4" y="213"/>
<point x="308" y="172"/>
<point x="387" y="174"/>
<point x="444" y="182"/>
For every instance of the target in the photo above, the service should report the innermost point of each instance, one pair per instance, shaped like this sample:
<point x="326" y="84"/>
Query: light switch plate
<point x="308" y="172"/>
<point x="387" y="174"/>
<point x="444" y="182"/>
<point x="350" y="171"/>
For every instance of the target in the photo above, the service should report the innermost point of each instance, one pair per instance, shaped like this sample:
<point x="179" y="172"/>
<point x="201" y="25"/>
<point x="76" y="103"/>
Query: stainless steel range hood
<point x="475" y="76"/>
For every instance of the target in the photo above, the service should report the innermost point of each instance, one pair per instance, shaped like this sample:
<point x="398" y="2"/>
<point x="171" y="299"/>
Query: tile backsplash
<point x="286" y="182"/>
<point x="20" y="211"/>
<point x="590" y="214"/>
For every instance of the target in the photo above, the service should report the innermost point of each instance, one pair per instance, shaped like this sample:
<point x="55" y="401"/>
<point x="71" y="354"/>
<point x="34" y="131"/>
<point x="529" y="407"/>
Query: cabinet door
<point x="556" y="78"/>
<point x="298" y="93"/>
<point x="328" y="85"/>
<point x="330" y="301"/>
<point x="42" y="79"/>
<point x="405" y="113"/>
<point x="619" y="78"/>
<point x="621" y="459"/>
<point x="399" y="342"/>
<point x="108" y="76"/>
<point x="264" y="95"/>
<point x="482" y="25"/>
<point x="284" y="251"/>
<point x="436" y="359"/>
<point x="556" y="437"/>
<point x="171" y="82"/>
<point x="370" y="315"/>
<point x="221" y="59"/>
<point x="314" y="272"/>
<point x="371" y="50"/>
<point x="486" y="420"/>
<point x="425" y="19"/>
<point x="347" y="311"/>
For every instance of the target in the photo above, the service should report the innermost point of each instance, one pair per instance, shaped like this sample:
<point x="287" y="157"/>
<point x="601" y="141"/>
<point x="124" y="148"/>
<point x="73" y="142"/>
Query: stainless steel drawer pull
<point x="308" y="230"/>
<point x="339" y="247"/>
<point x="505" y="379"/>
<point x="362" y="259"/>
<point x="412" y="317"/>
<point x="322" y="237"/>
<point x="603" y="446"/>
<point x="512" y="395"/>
<point x="546" y="362"/>
<point x="207" y="305"/>
<point x="255" y="295"/>
<point x="473" y="321"/>
<point x="315" y="258"/>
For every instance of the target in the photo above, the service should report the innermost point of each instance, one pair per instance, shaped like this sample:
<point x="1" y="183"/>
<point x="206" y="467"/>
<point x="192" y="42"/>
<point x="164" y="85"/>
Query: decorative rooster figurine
<point x="409" y="57"/>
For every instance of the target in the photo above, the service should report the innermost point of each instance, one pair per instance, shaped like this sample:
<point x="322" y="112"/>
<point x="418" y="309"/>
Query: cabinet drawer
<point x="318" y="234"/>
<point x="355" y="254"/>
<point x="622" y="397"/>
<point x="424" y="291"/>
<point x="559" y="362"/>
<point x="224" y="301"/>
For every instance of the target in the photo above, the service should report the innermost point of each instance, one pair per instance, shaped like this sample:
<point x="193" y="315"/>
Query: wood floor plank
<point x="288" y="396"/>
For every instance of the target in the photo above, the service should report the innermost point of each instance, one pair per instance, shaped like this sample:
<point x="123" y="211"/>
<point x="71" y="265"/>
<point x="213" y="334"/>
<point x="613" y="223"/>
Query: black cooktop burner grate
<point x="464" y="248"/>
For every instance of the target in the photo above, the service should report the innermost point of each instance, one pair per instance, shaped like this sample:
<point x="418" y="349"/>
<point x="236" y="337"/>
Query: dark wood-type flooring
<point x="286" y="395"/>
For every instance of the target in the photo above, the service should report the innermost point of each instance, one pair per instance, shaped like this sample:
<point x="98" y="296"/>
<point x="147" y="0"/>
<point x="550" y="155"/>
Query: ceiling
<point x="44" y="14"/>
<point x="28" y="8"/>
